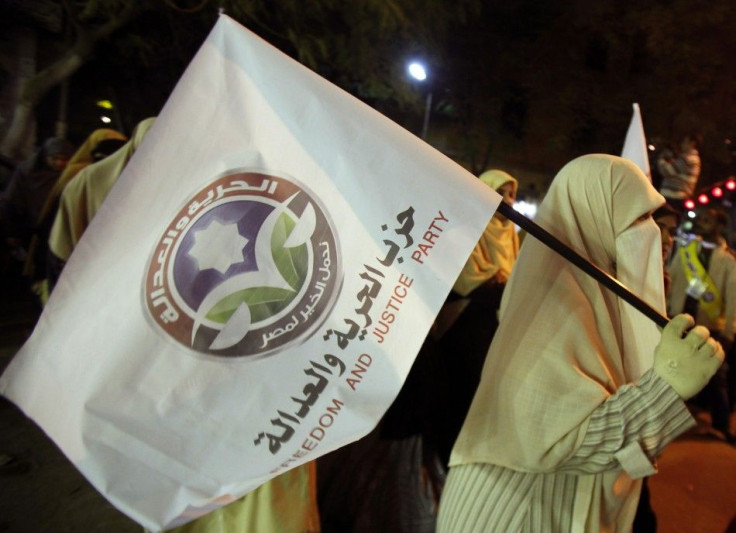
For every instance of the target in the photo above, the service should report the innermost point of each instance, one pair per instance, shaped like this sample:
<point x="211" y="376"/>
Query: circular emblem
<point x="247" y="267"/>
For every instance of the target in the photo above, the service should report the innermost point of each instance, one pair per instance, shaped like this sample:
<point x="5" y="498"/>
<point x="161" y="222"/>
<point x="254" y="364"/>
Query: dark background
<point x="520" y="84"/>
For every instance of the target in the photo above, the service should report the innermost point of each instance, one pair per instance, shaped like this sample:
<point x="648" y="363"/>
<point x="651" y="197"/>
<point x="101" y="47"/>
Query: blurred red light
<point x="689" y="204"/>
<point x="717" y="192"/>
<point x="730" y="184"/>
<point x="703" y="198"/>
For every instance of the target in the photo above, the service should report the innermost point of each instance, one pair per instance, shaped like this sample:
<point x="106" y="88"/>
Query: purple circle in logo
<point x="247" y="267"/>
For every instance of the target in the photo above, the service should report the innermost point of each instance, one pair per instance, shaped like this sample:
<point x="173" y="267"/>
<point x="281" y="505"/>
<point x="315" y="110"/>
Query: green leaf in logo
<point x="291" y="262"/>
<point x="263" y="302"/>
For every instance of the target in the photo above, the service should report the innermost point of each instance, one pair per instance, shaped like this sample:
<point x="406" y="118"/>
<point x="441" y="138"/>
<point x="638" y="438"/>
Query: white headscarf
<point x="565" y="342"/>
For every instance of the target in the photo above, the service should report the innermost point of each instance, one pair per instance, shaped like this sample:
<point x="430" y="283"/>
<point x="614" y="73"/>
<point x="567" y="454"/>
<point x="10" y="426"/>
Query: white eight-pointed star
<point x="218" y="246"/>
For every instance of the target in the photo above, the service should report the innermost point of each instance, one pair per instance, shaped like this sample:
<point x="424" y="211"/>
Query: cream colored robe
<point x="81" y="159"/>
<point x="564" y="366"/>
<point x="85" y="192"/>
<point x="285" y="504"/>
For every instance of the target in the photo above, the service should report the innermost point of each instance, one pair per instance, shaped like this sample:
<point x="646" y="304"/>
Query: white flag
<point x="635" y="145"/>
<point x="253" y="291"/>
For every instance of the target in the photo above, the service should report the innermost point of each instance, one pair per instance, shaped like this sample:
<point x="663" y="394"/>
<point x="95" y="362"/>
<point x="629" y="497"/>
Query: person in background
<point x="668" y="220"/>
<point x="81" y="158"/>
<point x="20" y="205"/>
<point x="391" y="479"/>
<point x="703" y="275"/>
<point x="283" y="504"/>
<point x="83" y="195"/>
<point x="579" y="392"/>
<point x="472" y="308"/>
<point x="23" y="198"/>
<point x="99" y="145"/>
<point x="680" y="170"/>
<point x="491" y="261"/>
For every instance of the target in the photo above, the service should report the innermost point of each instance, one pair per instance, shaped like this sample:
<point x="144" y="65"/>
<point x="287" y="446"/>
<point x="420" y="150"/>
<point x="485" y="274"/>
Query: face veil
<point x="639" y="267"/>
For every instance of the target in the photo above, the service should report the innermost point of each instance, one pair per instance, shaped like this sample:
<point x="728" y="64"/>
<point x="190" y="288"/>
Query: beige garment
<point x="81" y="158"/>
<point x="482" y="497"/>
<point x="498" y="247"/>
<point x="722" y="270"/>
<point x="84" y="194"/>
<point x="285" y="504"/>
<point x="565" y="343"/>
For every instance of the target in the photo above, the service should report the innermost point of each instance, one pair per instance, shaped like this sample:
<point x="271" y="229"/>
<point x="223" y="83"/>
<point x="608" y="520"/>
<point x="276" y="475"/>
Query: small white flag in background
<point x="635" y="146"/>
<point x="253" y="291"/>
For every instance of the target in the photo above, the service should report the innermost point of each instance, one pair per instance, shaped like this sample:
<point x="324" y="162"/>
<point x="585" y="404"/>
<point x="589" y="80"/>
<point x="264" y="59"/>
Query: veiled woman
<point x="579" y="392"/>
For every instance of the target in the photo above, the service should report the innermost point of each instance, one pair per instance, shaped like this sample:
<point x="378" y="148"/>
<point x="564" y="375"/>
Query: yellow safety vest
<point x="700" y="284"/>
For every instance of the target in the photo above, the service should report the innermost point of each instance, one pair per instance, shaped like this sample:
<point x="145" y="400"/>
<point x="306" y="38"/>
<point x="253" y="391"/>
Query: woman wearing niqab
<point x="495" y="254"/>
<point x="569" y="414"/>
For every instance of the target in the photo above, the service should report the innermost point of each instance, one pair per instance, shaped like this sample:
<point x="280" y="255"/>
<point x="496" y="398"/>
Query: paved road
<point x="51" y="496"/>
<point x="694" y="492"/>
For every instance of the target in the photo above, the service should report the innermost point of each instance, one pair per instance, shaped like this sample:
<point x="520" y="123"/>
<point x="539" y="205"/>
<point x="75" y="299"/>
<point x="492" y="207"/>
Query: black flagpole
<point x="583" y="264"/>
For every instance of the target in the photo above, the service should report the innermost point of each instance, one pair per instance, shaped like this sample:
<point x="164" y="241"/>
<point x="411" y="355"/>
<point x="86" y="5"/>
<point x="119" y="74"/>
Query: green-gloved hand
<point x="687" y="362"/>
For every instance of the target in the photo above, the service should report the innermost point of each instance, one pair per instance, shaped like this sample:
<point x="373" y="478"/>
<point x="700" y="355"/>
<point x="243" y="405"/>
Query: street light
<point x="418" y="72"/>
<point x="110" y="113"/>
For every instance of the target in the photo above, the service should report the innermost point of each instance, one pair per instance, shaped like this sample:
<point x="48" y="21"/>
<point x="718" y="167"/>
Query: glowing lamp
<point x="417" y="71"/>
<point x="703" y="199"/>
<point x="689" y="204"/>
<point x="717" y="192"/>
<point x="731" y="184"/>
<point x="528" y="209"/>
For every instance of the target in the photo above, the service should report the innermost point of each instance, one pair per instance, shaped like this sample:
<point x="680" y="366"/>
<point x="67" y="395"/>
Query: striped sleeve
<point x="631" y="428"/>
<point x="480" y="497"/>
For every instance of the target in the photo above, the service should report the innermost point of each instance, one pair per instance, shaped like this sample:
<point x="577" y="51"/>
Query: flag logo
<point x="248" y="266"/>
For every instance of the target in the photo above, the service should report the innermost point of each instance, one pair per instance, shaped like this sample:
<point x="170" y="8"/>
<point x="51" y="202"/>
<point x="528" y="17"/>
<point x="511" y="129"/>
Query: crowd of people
<point x="51" y="198"/>
<point x="539" y="401"/>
